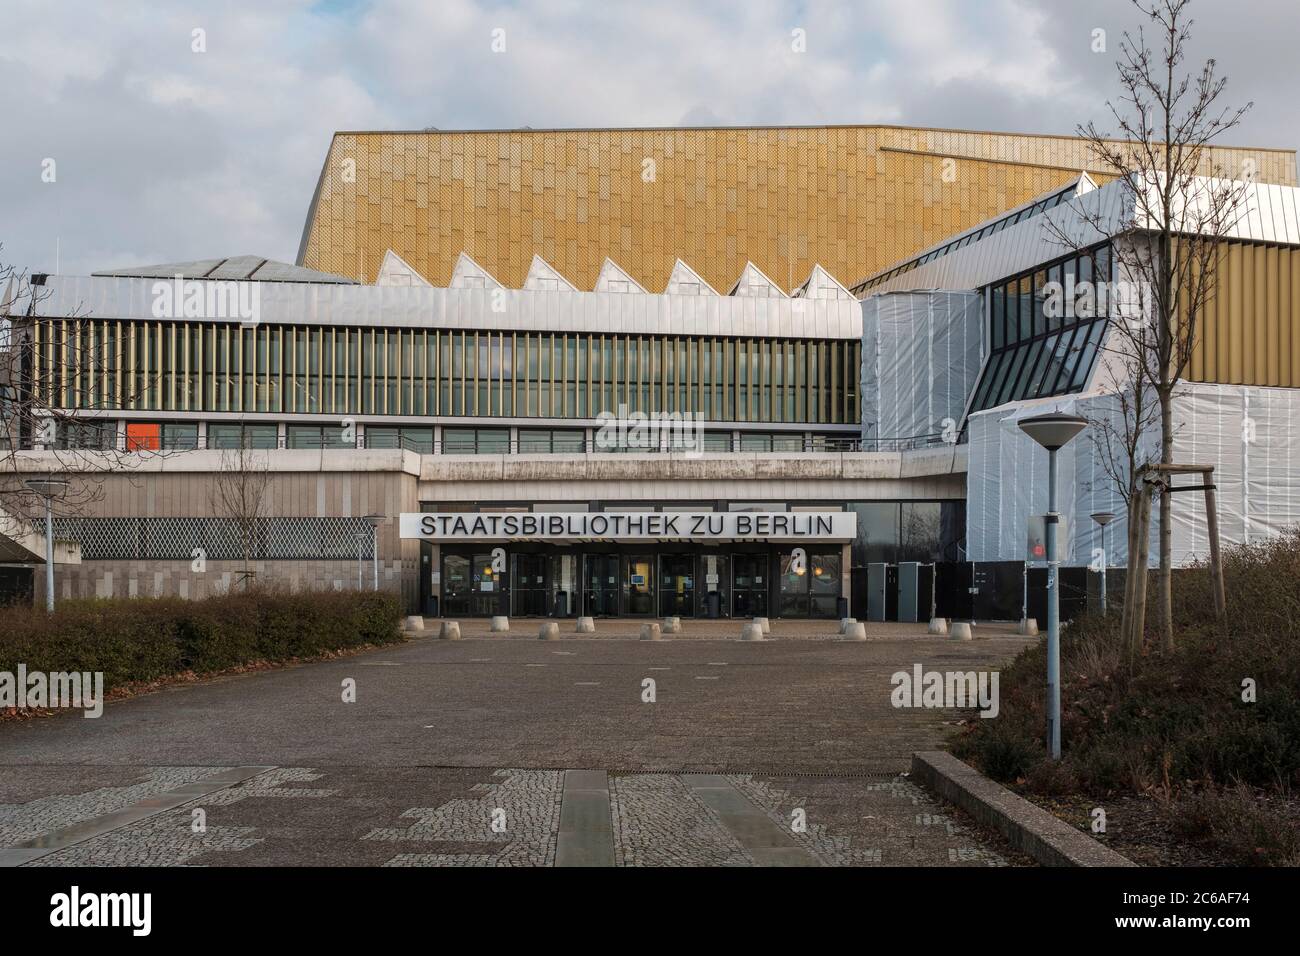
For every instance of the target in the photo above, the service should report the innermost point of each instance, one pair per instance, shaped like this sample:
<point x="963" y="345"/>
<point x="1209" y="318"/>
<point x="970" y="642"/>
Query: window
<point x="318" y="436"/>
<point x="180" y="436"/>
<point x="1037" y="351"/>
<point x="227" y="435"/>
<point x="412" y="439"/>
<point x="551" y="441"/>
<point x="475" y="441"/>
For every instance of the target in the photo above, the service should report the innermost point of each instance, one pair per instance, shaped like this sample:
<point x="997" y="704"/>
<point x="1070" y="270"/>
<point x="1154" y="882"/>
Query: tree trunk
<point x="1132" y="570"/>
<point x="1165" y="579"/>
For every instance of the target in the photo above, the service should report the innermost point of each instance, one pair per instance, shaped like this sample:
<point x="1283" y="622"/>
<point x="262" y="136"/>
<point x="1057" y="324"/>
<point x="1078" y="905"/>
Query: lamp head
<point x="1102" y="518"/>
<point x="1054" y="430"/>
<point x="47" y="487"/>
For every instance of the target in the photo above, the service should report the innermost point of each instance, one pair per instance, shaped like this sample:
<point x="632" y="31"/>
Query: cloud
<point x="165" y="154"/>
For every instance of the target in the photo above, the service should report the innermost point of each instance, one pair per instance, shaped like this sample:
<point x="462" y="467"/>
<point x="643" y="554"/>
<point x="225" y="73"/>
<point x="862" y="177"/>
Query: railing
<point x="792" y="445"/>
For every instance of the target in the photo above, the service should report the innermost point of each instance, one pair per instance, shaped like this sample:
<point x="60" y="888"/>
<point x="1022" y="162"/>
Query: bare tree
<point x="1120" y="434"/>
<point x="238" y="494"/>
<point x="1180" y="205"/>
<point x="53" y="401"/>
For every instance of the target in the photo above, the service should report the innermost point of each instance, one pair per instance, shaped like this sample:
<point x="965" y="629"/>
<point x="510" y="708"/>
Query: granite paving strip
<point x="766" y="843"/>
<point x="586" y="835"/>
<point x="40" y="846"/>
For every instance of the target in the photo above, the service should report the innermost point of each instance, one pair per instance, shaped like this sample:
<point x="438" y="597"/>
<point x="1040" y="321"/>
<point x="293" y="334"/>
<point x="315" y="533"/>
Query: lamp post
<point x="1103" y="518"/>
<point x="375" y="521"/>
<point x="1053" y="431"/>
<point x="49" y="489"/>
<point x="363" y="538"/>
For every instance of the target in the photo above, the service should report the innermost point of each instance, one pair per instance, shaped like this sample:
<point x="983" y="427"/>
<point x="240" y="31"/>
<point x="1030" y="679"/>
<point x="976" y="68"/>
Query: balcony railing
<point x="494" y="446"/>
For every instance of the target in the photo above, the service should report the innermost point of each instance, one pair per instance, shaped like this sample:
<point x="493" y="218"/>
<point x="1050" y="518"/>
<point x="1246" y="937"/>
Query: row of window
<point x="172" y="366"/>
<point x="181" y="436"/>
<point x="997" y="226"/>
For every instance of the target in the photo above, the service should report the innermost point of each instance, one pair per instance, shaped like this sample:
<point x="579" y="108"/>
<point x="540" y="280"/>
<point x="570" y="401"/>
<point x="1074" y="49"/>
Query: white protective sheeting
<point x="1250" y="435"/>
<point x="920" y="359"/>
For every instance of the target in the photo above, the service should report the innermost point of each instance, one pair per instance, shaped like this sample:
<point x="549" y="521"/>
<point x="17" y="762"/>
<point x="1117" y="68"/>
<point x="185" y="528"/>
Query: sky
<point x="142" y="133"/>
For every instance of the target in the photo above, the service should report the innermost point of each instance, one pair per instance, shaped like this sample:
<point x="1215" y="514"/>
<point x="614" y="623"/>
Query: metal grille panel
<point x="176" y="539"/>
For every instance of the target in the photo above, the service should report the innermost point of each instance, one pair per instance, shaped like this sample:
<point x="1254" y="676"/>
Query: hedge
<point x="148" y="639"/>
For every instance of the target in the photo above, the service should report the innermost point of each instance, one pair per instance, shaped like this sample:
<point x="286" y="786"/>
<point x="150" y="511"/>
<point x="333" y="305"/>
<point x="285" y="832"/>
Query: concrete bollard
<point x="752" y="632"/>
<point x="450" y="631"/>
<point x="762" y="622"/>
<point x="500" y="623"/>
<point x="855" y="632"/>
<point x="414" y="623"/>
<point x="938" y="625"/>
<point x="585" y="625"/>
<point x="672" y="625"/>
<point x="651" y="632"/>
<point x="960" y="632"/>
<point x="845" y="622"/>
<point x="550" y="631"/>
<point x="1028" y="627"/>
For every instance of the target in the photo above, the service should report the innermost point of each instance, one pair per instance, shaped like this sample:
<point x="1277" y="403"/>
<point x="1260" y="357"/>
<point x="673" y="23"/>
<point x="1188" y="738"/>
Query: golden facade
<point x="854" y="198"/>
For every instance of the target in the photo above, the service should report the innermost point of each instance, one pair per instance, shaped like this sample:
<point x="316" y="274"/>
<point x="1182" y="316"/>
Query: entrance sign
<point x="631" y="526"/>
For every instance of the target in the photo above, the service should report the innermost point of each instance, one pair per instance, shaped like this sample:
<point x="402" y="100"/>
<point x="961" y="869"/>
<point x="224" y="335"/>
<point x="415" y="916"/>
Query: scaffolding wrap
<point x="1246" y="433"/>
<point x="920" y="359"/>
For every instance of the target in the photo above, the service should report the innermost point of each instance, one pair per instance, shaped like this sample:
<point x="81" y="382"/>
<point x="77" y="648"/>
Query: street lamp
<point x="49" y="489"/>
<point x="375" y="521"/>
<point x="1103" y="518"/>
<point x="1053" y="431"/>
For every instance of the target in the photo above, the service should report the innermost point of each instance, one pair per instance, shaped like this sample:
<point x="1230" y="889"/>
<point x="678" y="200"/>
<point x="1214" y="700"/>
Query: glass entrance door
<point x="749" y="585"/>
<point x="486" y="597"/>
<point x="639" y="584"/>
<point x="714" y="585"/>
<point x="600" y="585"/>
<point x="563" y="595"/>
<point x="528" y="590"/>
<point x="455" y="585"/>
<point x="676" y="585"/>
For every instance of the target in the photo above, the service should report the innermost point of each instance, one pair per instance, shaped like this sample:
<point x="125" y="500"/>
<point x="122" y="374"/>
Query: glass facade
<point x="221" y="367"/>
<point x="1042" y="345"/>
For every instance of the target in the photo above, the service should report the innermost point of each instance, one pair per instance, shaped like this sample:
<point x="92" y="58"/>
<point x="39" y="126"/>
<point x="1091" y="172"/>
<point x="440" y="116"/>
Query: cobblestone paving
<point x="659" y="822"/>
<point x="25" y="820"/>
<point x="172" y="838"/>
<point x="515" y="821"/>
<point x="890" y="823"/>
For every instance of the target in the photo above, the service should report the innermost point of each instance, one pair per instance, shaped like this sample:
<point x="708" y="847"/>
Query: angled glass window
<point x="1034" y="353"/>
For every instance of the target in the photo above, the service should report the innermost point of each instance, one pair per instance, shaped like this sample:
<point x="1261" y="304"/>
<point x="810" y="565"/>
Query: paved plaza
<point x="502" y="750"/>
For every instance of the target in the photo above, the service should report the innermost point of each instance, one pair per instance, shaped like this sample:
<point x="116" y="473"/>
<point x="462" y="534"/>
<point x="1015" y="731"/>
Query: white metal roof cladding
<point x="1270" y="214"/>
<point x="544" y="277"/>
<point x="820" y="284"/>
<point x="395" y="270"/>
<point x="614" y="278"/>
<point x="470" y="309"/>
<point x="258" y="268"/>
<point x="754" y="282"/>
<point x="684" y="280"/>
<point x="468" y="274"/>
